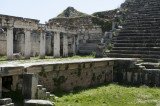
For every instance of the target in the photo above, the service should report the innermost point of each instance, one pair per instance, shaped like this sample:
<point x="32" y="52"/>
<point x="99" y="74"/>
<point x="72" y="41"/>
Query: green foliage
<point x="59" y="81"/>
<point x="16" y="96"/>
<point x="3" y="57"/>
<point x="43" y="74"/>
<point x="109" y="95"/>
<point x="106" y="25"/>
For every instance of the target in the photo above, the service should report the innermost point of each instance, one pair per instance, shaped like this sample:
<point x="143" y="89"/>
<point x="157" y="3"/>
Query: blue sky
<point x="43" y="10"/>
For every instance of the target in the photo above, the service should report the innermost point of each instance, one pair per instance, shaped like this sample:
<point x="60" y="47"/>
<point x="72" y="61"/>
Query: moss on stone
<point x="105" y="24"/>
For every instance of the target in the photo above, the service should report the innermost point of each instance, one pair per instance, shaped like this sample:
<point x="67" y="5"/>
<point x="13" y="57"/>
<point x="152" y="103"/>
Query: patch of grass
<point x="3" y="58"/>
<point x="109" y="95"/>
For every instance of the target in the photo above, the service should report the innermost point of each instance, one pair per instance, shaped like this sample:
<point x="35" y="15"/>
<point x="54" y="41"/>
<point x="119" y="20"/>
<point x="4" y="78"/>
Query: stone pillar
<point x="14" y="82"/>
<point x="0" y="87"/>
<point x="42" y="44"/>
<point x="77" y="44"/>
<point x="27" y="43"/>
<point x="74" y="45"/>
<point x="65" y="45"/>
<point x="56" y="44"/>
<point x="10" y="43"/>
<point x="30" y="82"/>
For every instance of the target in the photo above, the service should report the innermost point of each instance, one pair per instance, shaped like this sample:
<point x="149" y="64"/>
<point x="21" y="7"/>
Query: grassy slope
<point x="111" y="95"/>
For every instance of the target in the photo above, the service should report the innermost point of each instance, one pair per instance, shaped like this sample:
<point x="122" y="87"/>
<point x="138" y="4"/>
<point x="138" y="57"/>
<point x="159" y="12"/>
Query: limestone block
<point x="48" y="68"/>
<point x="34" y="102"/>
<point x="73" y="66"/>
<point x="5" y="101"/>
<point x="34" y="69"/>
<point x="30" y="82"/>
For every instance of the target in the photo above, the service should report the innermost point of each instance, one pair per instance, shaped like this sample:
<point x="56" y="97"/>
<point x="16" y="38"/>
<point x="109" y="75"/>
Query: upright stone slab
<point x="27" y="43"/>
<point x="74" y="45"/>
<point x="42" y="44"/>
<point x="30" y="82"/>
<point x="9" y="43"/>
<point x="14" y="82"/>
<point x="57" y="44"/>
<point x="0" y="87"/>
<point x="65" y="45"/>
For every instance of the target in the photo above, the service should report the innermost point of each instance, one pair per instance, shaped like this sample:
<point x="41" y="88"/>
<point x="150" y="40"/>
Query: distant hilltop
<point x="71" y="12"/>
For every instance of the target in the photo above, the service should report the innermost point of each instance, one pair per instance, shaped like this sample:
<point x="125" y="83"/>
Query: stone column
<point x="74" y="45"/>
<point x="42" y="44"/>
<point x="27" y="43"/>
<point x="65" y="45"/>
<point x="77" y="44"/>
<point x="10" y="43"/>
<point x="0" y="87"/>
<point x="30" y="82"/>
<point x="56" y="44"/>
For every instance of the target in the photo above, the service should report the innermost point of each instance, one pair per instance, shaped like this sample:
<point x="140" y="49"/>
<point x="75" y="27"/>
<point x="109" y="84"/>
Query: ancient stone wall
<point x="106" y="14"/>
<point x="69" y="76"/>
<point x="3" y="43"/>
<point x="64" y="76"/>
<point x="83" y="25"/>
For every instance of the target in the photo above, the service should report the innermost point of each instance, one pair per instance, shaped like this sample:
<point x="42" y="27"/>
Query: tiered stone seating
<point x="140" y="35"/>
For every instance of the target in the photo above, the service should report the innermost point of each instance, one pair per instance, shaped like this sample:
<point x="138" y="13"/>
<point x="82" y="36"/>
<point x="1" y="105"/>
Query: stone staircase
<point x="140" y="36"/>
<point x="42" y="93"/>
<point x="41" y="97"/>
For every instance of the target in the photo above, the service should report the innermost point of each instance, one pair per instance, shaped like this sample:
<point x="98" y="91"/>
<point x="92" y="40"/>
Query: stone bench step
<point x="137" y="45"/>
<point x="119" y="55"/>
<point x="135" y="52"/>
<point x="136" y="37"/>
<point x="151" y="60"/>
<point x="139" y="31"/>
<point x="151" y="65"/>
<point x="137" y="41"/>
<point x="149" y="27"/>
<point x="137" y="48"/>
<point x="139" y="34"/>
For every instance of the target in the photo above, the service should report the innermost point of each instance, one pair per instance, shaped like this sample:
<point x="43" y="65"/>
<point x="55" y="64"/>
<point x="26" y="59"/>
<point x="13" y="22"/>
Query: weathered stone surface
<point x="30" y="82"/>
<point x="100" y="50"/>
<point x="5" y="101"/>
<point x="34" y="102"/>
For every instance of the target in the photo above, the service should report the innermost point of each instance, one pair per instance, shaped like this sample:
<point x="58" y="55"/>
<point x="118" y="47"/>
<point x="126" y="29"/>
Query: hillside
<point x="71" y="12"/>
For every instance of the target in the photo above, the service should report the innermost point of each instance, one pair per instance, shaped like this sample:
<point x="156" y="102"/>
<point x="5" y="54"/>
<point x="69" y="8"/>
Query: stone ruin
<point x="134" y="50"/>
